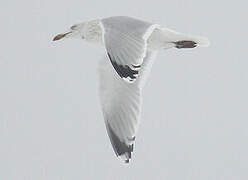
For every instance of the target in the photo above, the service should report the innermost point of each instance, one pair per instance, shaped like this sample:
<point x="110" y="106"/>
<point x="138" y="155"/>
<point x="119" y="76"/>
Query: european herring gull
<point x="131" y="46"/>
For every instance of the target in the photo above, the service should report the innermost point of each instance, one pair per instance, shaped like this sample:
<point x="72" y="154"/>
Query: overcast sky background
<point x="195" y="118"/>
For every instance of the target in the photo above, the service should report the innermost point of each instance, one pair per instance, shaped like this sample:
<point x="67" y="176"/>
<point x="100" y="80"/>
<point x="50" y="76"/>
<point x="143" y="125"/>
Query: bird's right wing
<point x="125" y="41"/>
<point x="121" y="105"/>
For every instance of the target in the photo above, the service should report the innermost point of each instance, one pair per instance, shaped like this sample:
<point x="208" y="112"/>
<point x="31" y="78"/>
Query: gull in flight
<point x="131" y="46"/>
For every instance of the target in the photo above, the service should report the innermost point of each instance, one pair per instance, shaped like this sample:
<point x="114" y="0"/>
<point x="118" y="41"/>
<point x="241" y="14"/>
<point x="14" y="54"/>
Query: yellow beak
<point x="60" y="36"/>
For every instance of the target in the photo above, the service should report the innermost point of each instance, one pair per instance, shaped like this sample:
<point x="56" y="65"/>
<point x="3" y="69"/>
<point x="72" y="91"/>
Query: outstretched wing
<point x="125" y="40"/>
<point x="121" y="105"/>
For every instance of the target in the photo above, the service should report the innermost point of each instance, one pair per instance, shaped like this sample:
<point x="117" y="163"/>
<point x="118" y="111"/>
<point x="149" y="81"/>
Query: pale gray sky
<point x="194" y="121"/>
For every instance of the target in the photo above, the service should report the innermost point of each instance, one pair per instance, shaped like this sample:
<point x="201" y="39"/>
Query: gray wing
<point x="125" y="40"/>
<point x="121" y="105"/>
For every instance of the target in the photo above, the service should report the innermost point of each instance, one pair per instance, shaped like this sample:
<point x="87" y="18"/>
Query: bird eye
<point x="73" y="27"/>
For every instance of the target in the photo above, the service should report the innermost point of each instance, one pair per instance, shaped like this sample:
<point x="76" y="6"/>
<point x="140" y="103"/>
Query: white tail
<point x="173" y="36"/>
<point x="166" y="38"/>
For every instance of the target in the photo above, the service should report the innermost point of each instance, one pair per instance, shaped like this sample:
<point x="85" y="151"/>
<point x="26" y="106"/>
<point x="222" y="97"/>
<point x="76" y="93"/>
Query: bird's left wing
<point x="125" y="40"/>
<point x="121" y="105"/>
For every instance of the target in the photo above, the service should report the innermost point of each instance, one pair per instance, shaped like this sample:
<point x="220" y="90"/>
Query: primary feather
<point x="121" y="105"/>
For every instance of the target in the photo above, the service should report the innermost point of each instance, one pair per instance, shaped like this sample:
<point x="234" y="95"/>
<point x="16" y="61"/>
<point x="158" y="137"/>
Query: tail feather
<point x="183" y="40"/>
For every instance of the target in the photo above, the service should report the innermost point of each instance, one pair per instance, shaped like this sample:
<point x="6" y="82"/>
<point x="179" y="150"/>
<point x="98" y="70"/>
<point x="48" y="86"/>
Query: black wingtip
<point x="124" y="71"/>
<point x="120" y="148"/>
<point x="136" y="66"/>
<point x="127" y="161"/>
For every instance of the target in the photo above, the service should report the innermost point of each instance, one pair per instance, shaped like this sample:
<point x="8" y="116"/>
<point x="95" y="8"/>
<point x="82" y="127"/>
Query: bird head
<point x="90" y="31"/>
<point x="76" y="31"/>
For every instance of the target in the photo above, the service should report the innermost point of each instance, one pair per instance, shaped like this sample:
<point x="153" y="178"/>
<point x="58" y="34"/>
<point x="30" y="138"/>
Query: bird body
<point x="131" y="46"/>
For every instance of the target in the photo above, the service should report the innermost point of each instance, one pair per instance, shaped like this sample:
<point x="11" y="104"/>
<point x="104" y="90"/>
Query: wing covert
<point x="125" y="41"/>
